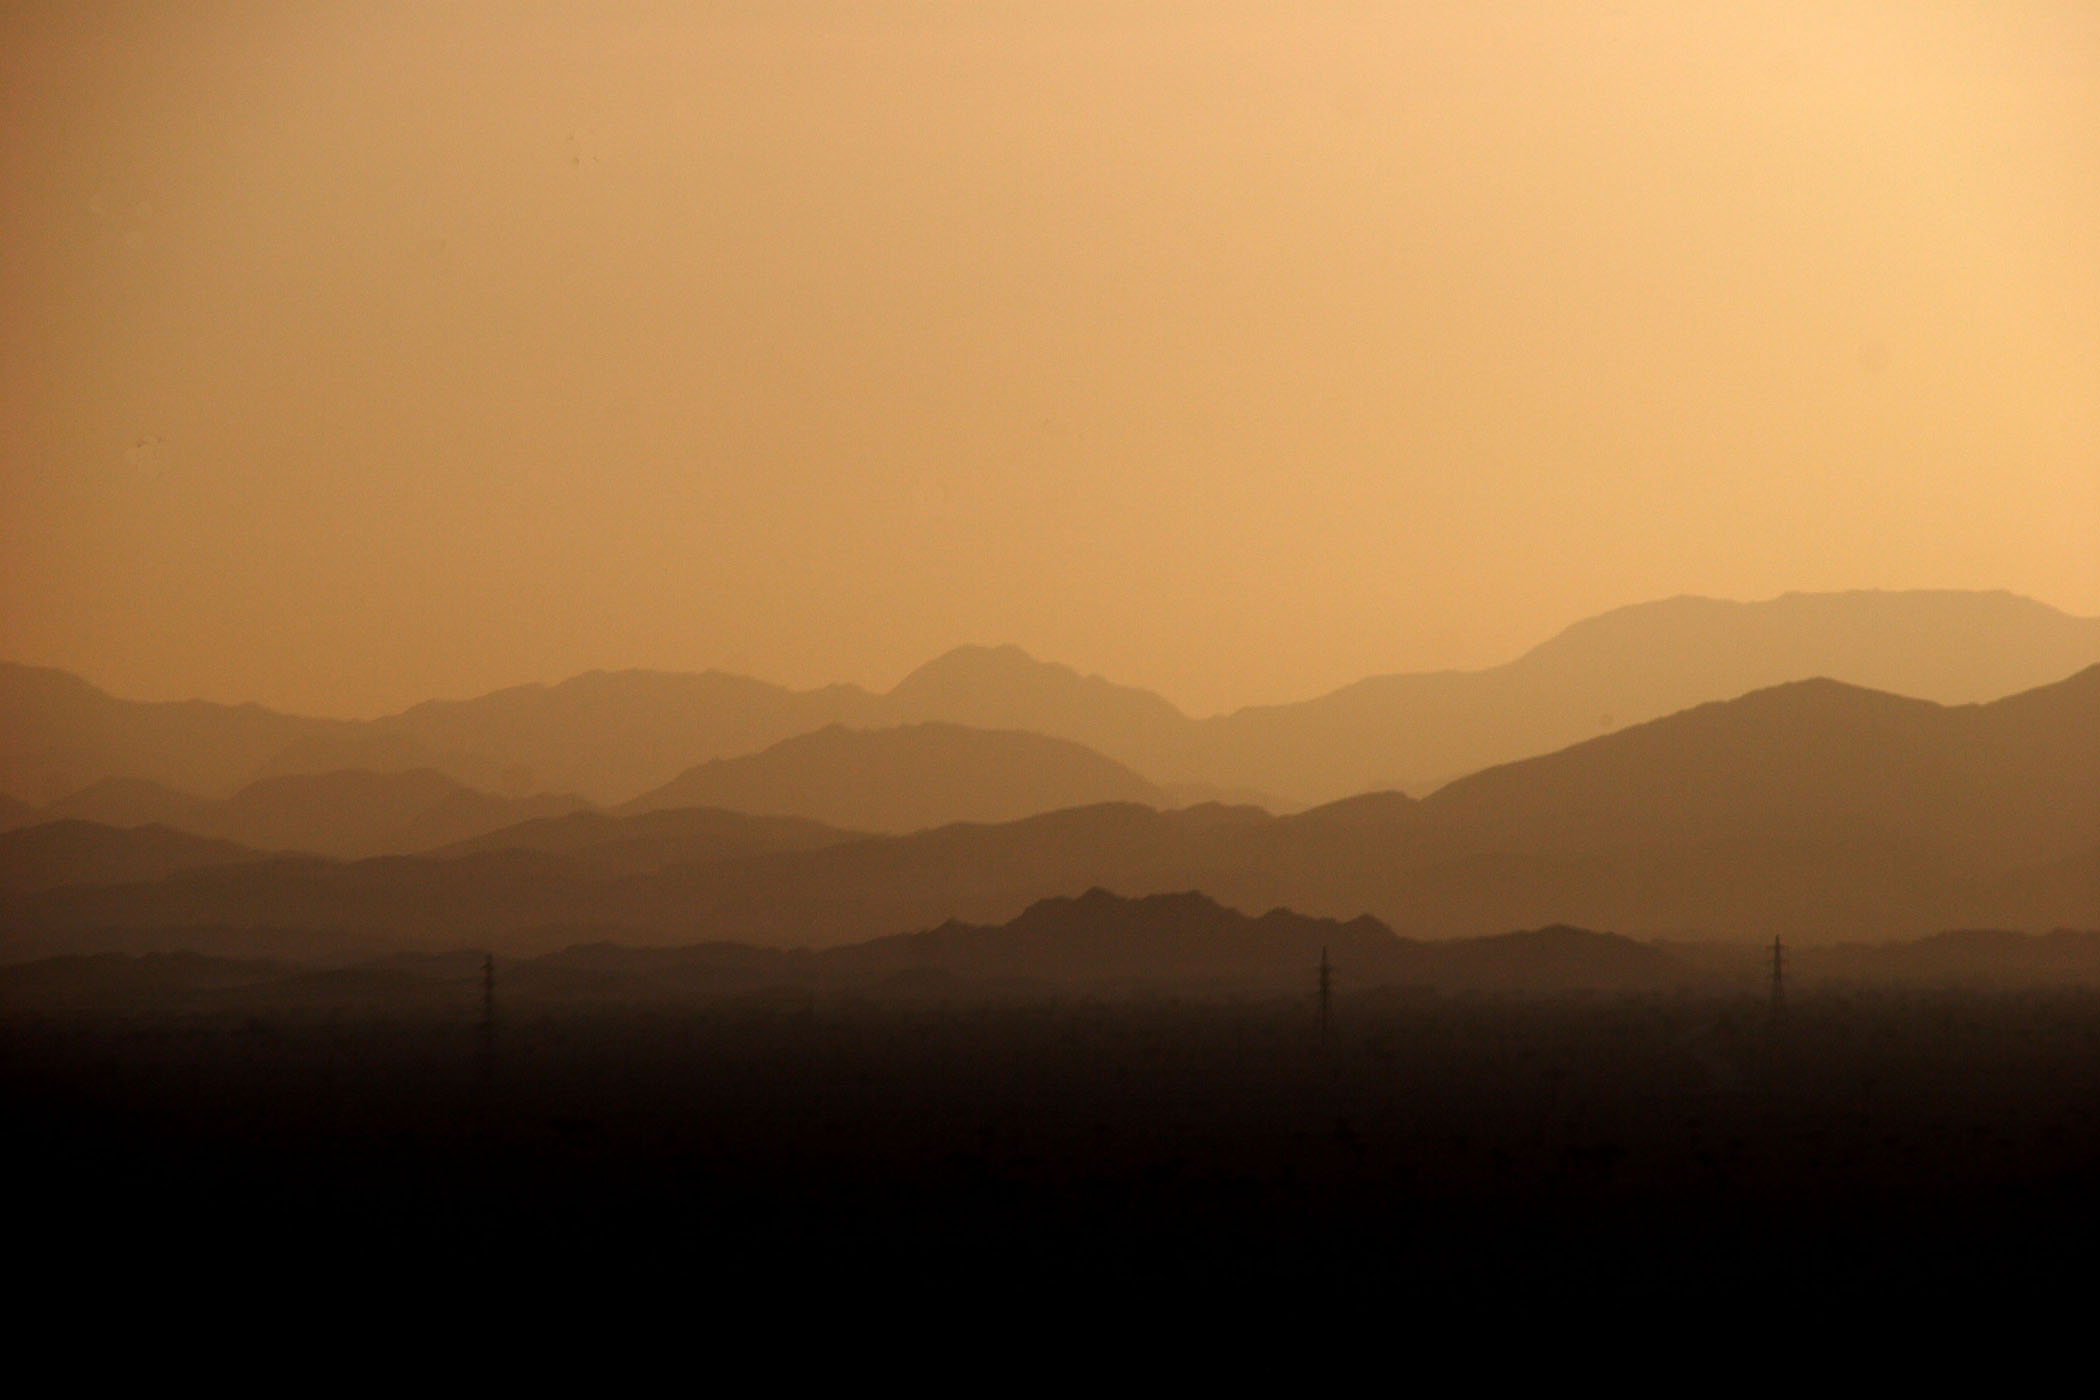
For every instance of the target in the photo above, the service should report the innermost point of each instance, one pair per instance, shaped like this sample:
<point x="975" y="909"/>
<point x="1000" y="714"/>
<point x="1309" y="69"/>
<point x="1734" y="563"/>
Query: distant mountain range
<point x="1814" y="810"/>
<point x="895" y="780"/>
<point x="611" y="736"/>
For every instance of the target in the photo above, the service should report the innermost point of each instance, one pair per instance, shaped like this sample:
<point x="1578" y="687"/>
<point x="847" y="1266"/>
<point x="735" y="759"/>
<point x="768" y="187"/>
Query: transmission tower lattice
<point x="1326" y="993"/>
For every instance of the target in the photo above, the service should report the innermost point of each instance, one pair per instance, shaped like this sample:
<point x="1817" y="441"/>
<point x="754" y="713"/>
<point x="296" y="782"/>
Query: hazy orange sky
<point x="353" y="354"/>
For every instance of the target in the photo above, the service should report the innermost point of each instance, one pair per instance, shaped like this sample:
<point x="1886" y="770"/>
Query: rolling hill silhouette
<point x="1636" y="664"/>
<point x="1559" y="958"/>
<point x="135" y="802"/>
<point x="59" y="734"/>
<point x="1004" y="687"/>
<point x="906" y="779"/>
<point x="1820" y="811"/>
<point x="610" y="736"/>
<point x="347" y="815"/>
<point x="606" y="844"/>
<point x="1098" y="936"/>
<point x="1094" y="943"/>
<point x="15" y="812"/>
<point x="1190" y="939"/>
<point x="73" y="852"/>
<point x="607" y="735"/>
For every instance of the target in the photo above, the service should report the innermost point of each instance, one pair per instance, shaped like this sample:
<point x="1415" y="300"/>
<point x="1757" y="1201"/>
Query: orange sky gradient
<point x="356" y="354"/>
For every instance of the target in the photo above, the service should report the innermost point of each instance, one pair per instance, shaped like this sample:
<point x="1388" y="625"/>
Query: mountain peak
<point x="1003" y="687"/>
<point x="976" y="665"/>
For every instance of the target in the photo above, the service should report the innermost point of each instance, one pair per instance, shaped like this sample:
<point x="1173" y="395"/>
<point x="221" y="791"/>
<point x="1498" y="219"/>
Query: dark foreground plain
<point x="928" y="1159"/>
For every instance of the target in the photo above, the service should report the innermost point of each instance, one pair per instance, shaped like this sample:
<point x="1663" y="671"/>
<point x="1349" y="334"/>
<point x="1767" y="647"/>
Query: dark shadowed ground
<point x="930" y="1159"/>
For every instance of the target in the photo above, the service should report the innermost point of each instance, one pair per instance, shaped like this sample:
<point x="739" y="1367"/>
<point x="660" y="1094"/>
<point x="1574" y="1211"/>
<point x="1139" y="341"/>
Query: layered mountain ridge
<point x="1813" y="810"/>
<point x="610" y="736"/>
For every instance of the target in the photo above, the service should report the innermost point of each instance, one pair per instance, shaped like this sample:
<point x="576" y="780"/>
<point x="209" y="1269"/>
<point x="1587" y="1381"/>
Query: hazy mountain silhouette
<point x="136" y="802"/>
<point x="1186" y="942"/>
<point x="907" y="778"/>
<point x="1632" y="665"/>
<point x="1218" y="794"/>
<point x="1815" y="810"/>
<point x="1099" y="936"/>
<point x="522" y="899"/>
<point x="1189" y="939"/>
<point x="1813" y="761"/>
<point x="80" y="852"/>
<point x="1964" y="957"/>
<point x="605" y="844"/>
<point x="1555" y="959"/>
<point x="609" y="736"/>
<point x="15" y="812"/>
<point x="1006" y="688"/>
<point x="489" y="898"/>
<point x="59" y="734"/>
<point x="376" y="749"/>
<point x="347" y="815"/>
<point x="356" y="814"/>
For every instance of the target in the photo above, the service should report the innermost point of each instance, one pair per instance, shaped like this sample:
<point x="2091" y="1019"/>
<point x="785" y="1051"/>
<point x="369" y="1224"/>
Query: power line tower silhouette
<point x="488" y="1021"/>
<point x="1326" y="994"/>
<point x="1778" y="977"/>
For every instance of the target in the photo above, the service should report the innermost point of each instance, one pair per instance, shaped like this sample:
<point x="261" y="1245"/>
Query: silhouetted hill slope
<point x="533" y="899"/>
<point x="2050" y="894"/>
<point x="1963" y="957"/>
<point x="1816" y="810"/>
<point x="611" y="735"/>
<point x="347" y="815"/>
<point x="70" y="852"/>
<point x="484" y="899"/>
<point x="59" y="734"/>
<point x="606" y="844"/>
<point x="1182" y="944"/>
<point x="373" y="748"/>
<point x="970" y="872"/>
<point x="906" y="779"/>
<point x="608" y="734"/>
<point x="1190" y="939"/>
<point x="2012" y="782"/>
<point x="15" y="812"/>
<point x="1006" y="688"/>
<point x="136" y="802"/>
<point x="356" y="814"/>
<point x="1099" y="936"/>
<point x="1632" y="665"/>
<point x="1555" y="959"/>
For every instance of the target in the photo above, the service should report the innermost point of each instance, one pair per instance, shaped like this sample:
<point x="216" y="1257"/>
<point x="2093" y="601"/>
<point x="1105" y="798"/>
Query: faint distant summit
<point x="1005" y="677"/>
<point x="1003" y="687"/>
<point x="906" y="777"/>
<point x="1944" y="645"/>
